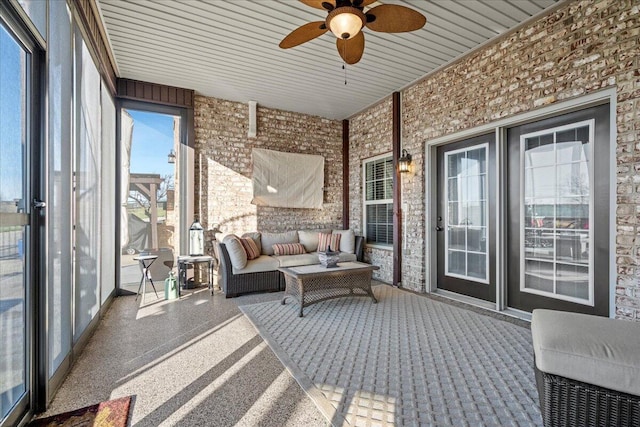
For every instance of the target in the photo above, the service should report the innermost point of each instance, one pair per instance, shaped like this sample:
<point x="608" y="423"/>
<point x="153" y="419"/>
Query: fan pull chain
<point x="344" y="64"/>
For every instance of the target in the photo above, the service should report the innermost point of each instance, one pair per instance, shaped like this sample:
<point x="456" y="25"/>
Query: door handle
<point x="39" y="204"/>
<point x="438" y="228"/>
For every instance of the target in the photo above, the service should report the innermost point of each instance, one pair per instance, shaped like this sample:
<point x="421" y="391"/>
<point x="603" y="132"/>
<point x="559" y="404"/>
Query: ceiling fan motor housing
<point x="346" y="21"/>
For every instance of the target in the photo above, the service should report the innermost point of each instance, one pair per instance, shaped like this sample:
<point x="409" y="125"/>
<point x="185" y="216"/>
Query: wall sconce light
<point x="171" y="158"/>
<point x="404" y="161"/>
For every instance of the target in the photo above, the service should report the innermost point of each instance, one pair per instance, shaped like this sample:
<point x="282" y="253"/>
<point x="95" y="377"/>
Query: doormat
<point x="112" y="413"/>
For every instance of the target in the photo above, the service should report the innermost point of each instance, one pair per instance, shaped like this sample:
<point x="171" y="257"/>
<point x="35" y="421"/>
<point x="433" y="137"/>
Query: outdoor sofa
<point x="587" y="369"/>
<point x="261" y="273"/>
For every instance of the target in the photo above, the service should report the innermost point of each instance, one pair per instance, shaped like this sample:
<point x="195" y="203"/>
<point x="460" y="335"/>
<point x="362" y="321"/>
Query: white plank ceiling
<point x="229" y="48"/>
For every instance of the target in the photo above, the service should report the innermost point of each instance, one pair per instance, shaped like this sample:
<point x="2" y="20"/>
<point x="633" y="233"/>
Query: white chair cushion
<point x="591" y="349"/>
<point x="347" y="257"/>
<point x="237" y="254"/>
<point x="258" y="265"/>
<point x="309" y="239"/>
<point x="296" y="260"/>
<point x="347" y="241"/>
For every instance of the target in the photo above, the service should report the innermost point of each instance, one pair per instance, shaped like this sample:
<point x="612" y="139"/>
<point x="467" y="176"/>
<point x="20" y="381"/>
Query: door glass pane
<point x="457" y="263"/>
<point x="466" y="178"/>
<point x="13" y="223"/>
<point x="573" y="280"/>
<point x="539" y="275"/>
<point x="556" y="206"/>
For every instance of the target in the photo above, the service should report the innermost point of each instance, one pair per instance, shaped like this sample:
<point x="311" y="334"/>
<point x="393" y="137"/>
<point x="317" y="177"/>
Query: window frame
<point x="365" y="203"/>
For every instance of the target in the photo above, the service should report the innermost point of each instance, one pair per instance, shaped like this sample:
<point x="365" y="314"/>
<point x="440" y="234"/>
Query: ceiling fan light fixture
<point x="346" y="22"/>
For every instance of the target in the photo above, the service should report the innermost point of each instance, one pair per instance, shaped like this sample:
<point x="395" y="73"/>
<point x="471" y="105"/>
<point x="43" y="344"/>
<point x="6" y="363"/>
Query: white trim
<point x="500" y="226"/>
<point x="613" y="203"/>
<point x="522" y="170"/>
<point x="604" y="96"/>
<point x="485" y="147"/>
<point x="379" y="246"/>
<point x="431" y="210"/>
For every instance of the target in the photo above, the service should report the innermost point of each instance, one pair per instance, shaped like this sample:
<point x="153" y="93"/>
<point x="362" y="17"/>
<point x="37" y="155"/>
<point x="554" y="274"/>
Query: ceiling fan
<point x="346" y="19"/>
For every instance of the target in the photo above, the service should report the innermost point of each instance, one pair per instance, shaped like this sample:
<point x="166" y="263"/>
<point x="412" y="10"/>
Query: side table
<point x="184" y="261"/>
<point x="145" y="262"/>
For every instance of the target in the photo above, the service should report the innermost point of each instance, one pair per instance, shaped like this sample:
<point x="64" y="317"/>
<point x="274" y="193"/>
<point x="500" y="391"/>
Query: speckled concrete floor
<point x="196" y="361"/>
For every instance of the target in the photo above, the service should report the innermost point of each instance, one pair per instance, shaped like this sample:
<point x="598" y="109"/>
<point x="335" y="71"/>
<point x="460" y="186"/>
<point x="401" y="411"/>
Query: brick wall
<point x="369" y="135"/>
<point x="582" y="47"/>
<point x="223" y="166"/>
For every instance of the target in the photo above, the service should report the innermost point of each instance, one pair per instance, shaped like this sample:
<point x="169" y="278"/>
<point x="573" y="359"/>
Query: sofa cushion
<point x="237" y="254"/>
<point x="347" y="241"/>
<point x="591" y="349"/>
<point x="296" y="260"/>
<point x="250" y="247"/>
<point x="256" y="239"/>
<point x="288" y="249"/>
<point x="269" y="239"/>
<point x="309" y="239"/>
<point x="347" y="257"/>
<point x="258" y="265"/>
<point x="328" y="240"/>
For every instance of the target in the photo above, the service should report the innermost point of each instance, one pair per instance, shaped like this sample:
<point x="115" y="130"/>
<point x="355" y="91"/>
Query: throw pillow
<point x="237" y="254"/>
<point x="347" y="241"/>
<point x="288" y="249"/>
<point x="269" y="239"/>
<point x="328" y="240"/>
<point x="256" y="238"/>
<point x="250" y="247"/>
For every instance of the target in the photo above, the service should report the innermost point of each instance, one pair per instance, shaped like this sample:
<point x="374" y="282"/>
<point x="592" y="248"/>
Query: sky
<point x="10" y="113"/>
<point x="152" y="141"/>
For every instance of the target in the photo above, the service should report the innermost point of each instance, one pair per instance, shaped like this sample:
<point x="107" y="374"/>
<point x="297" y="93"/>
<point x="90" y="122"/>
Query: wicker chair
<point x="587" y="369"/>
<point x="237" y="284"/>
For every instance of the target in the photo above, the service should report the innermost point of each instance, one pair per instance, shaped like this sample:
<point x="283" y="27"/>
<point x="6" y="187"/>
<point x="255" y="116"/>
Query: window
<point x="378" y="199"/>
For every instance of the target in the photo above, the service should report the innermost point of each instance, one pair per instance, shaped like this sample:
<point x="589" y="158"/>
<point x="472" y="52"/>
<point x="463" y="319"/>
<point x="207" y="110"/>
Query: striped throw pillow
<point x="250" y="247"/>
<point x="288" y="249"/>
<point x="326" y="240"/>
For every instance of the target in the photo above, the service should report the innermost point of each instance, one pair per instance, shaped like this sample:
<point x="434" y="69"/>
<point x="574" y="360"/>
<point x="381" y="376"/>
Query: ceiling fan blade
<point x="362" y="3"/>
<point x="390" y="18"/>
<point x="351" y="50"/>
<point x="318" y="3"/>
<point x="303" y="34"/>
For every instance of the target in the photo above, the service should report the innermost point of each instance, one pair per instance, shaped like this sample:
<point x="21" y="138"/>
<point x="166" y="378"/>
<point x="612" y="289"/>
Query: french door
<point x="558" y="213"/>
<point x="17" y="235"/>
<point x="465" y="217"/>
<point x="556" y="217"/>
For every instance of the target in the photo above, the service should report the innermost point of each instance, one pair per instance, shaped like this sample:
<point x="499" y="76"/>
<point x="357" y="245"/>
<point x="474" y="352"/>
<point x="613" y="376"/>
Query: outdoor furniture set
<point x="241" y="273"/>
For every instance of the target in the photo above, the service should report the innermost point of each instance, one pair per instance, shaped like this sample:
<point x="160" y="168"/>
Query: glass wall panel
<point x="59" y="276"/>
<point x="87" y="197"/>
<point x="37" y="11"/>
<point x="108" y="201"/>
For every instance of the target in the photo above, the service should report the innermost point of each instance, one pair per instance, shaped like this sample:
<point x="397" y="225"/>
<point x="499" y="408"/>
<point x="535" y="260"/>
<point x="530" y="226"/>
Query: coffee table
<point x="310" y="284"/>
